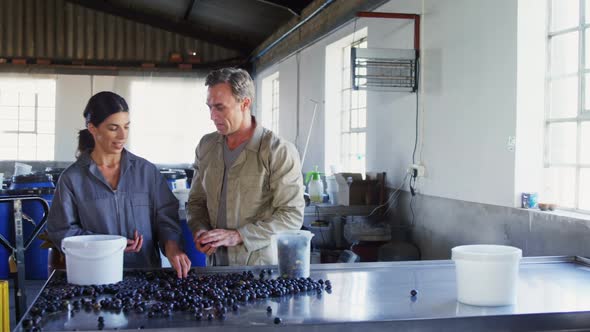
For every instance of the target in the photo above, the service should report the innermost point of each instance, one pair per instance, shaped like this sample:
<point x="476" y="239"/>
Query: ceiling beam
<point x="189" y="9"/>
<point x="213" y="36"/>
<point x="294" y="7"/>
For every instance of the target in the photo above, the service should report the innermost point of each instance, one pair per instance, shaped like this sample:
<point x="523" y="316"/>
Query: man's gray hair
<point x="241" y="83"/>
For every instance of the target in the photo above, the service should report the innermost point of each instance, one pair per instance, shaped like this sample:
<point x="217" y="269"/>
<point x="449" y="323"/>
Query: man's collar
<point x="254" y="141"/>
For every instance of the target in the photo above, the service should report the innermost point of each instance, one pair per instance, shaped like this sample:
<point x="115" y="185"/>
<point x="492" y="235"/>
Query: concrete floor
<point x="32" y="288"/>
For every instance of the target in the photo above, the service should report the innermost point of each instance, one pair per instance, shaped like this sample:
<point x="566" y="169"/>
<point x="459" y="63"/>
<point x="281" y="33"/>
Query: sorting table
<point x="553" y="294"/>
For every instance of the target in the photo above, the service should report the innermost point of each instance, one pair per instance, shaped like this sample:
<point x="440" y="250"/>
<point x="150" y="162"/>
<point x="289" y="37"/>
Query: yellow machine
<point x="4" y="306"/>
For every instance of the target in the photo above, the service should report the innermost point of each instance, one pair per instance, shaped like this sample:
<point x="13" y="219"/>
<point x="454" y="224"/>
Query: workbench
<point x="553" y="294"/>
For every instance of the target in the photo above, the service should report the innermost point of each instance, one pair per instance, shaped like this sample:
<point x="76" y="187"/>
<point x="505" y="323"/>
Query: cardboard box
<point x="353" y="190"/>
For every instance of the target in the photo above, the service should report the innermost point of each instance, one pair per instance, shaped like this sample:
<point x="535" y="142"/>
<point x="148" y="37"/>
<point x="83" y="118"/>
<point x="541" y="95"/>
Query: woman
<point x="109" y="190"/>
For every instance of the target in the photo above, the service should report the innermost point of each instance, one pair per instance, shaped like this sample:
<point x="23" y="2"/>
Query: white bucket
<point x="487" y="275"/>
<point x="94" y="259"/>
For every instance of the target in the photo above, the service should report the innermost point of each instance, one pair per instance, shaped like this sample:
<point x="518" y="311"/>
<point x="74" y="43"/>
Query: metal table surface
<point x="553" y="294"/>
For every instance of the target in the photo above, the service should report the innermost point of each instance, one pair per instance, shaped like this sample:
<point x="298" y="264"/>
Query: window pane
<point x="362" y="144"/>
<point x="345" y="121"/>
<point x="46" y="99"/>
<point x="346" y="99"/>
<point x="46" y="114"/>
<point x="354" y="117"/>
<point x="45" y="127"/>
<point x="584" y="200"/>
<point x="562" y="142"/>
<point x="9" y="98"/>
<point x="22" y="100"/>
<point x="564" y="53"/>
<point x="354" y="102"/>
<point x="27" y="113"/>
<point x="587" y="55"/>
<point x="27" y="99"/>
<point x="560" y="185"/>
<point x="564" y="98"/>
<point x="45" y="140"/>
<point x="345" y="144"/>
<point x="26" y="152"/>
<point x="362" y="95"/>
<point x="362" y="117"/>
<point x="585" y="141"/>
<point x="353" y="144"/>
<point x="9" y="112"/>
<point x="8" y="125"/>
<point x="346" y="79"/>
<point x="29" y="140"/>
<point x="8" y="140"/>
<point x="45" y="152"/>
<point x="564" y="14"/>
<point x="26" y="126"/>
<point x="8" y="152"/>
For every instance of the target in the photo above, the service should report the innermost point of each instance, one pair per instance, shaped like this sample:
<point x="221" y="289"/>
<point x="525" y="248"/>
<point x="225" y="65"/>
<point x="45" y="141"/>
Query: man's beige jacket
<point x="264" y="193"/>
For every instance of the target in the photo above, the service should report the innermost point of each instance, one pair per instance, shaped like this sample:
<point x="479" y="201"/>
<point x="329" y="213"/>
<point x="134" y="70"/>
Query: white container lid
<point x="486" y="253"/>
<point x="93" y="241"/>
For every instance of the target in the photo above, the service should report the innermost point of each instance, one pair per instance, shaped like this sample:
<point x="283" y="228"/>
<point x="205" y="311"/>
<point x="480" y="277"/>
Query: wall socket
<point x="417" y="169"/>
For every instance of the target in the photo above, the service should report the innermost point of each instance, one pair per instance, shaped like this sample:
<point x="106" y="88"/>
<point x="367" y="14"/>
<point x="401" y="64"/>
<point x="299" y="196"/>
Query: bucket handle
<point x="65" y="251"/>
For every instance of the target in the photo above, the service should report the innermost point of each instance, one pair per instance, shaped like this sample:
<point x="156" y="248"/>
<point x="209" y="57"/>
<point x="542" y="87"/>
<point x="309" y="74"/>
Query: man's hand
<point x="135" y="244"/>
<point x="220" y="238"/>
<point x="178" y="259"/>
<point x="205" y="249"/>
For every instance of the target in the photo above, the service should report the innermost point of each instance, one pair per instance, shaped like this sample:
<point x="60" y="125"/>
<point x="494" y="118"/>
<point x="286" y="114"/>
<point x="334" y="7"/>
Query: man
<point x="247" y="184"/>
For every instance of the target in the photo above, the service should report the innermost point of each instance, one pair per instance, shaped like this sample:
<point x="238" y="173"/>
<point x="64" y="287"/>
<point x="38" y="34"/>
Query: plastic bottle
<point x="315" y="187"/>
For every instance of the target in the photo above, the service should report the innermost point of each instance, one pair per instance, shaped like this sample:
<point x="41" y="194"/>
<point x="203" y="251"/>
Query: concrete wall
<point x="482" y="86"/>
<point x="440" y="224"/>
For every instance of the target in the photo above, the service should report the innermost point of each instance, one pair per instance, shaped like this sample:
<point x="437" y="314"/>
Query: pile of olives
<point x="159" y="293"/>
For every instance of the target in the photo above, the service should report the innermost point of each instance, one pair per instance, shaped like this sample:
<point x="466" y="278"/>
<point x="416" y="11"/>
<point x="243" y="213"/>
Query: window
<point x="168" y="118"/>
<point x="353" y="117"/>
<point x="567" y="114"/>
<point x="27" y="118"/>
<point x="345" y="109"/>
<point x="270" y="102"/>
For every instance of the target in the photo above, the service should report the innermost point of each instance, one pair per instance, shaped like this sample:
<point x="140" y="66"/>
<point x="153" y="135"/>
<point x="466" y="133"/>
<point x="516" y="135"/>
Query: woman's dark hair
<point x="100" y="106"/>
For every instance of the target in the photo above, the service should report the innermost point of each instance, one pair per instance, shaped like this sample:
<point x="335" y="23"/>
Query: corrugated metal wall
<point x="55" y="29"/>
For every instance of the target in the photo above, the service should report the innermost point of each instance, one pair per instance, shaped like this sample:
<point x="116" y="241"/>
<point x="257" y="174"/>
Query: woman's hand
<point x="177" y="258"/>
<point x="135" y="244"/>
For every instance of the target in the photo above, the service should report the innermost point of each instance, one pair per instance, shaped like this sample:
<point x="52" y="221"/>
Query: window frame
<point x="32" y="89"/>
<point x="582" y="113"/>
<point x="346" y="154"/>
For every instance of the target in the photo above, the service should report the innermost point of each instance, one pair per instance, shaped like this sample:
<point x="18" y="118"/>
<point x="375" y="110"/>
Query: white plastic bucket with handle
<point x="94" y="259"/>
<point x="487" y="275"/>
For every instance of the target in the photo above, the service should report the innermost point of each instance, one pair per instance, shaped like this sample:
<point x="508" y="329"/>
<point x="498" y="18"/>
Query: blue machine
<point x="6" y="231"/>
<point x="38" y="184"/>
<point x="197" y="258"/>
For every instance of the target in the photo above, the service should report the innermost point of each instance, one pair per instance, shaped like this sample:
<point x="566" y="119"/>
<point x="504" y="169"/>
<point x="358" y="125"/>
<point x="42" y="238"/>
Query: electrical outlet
<point x="417" y="170"/>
